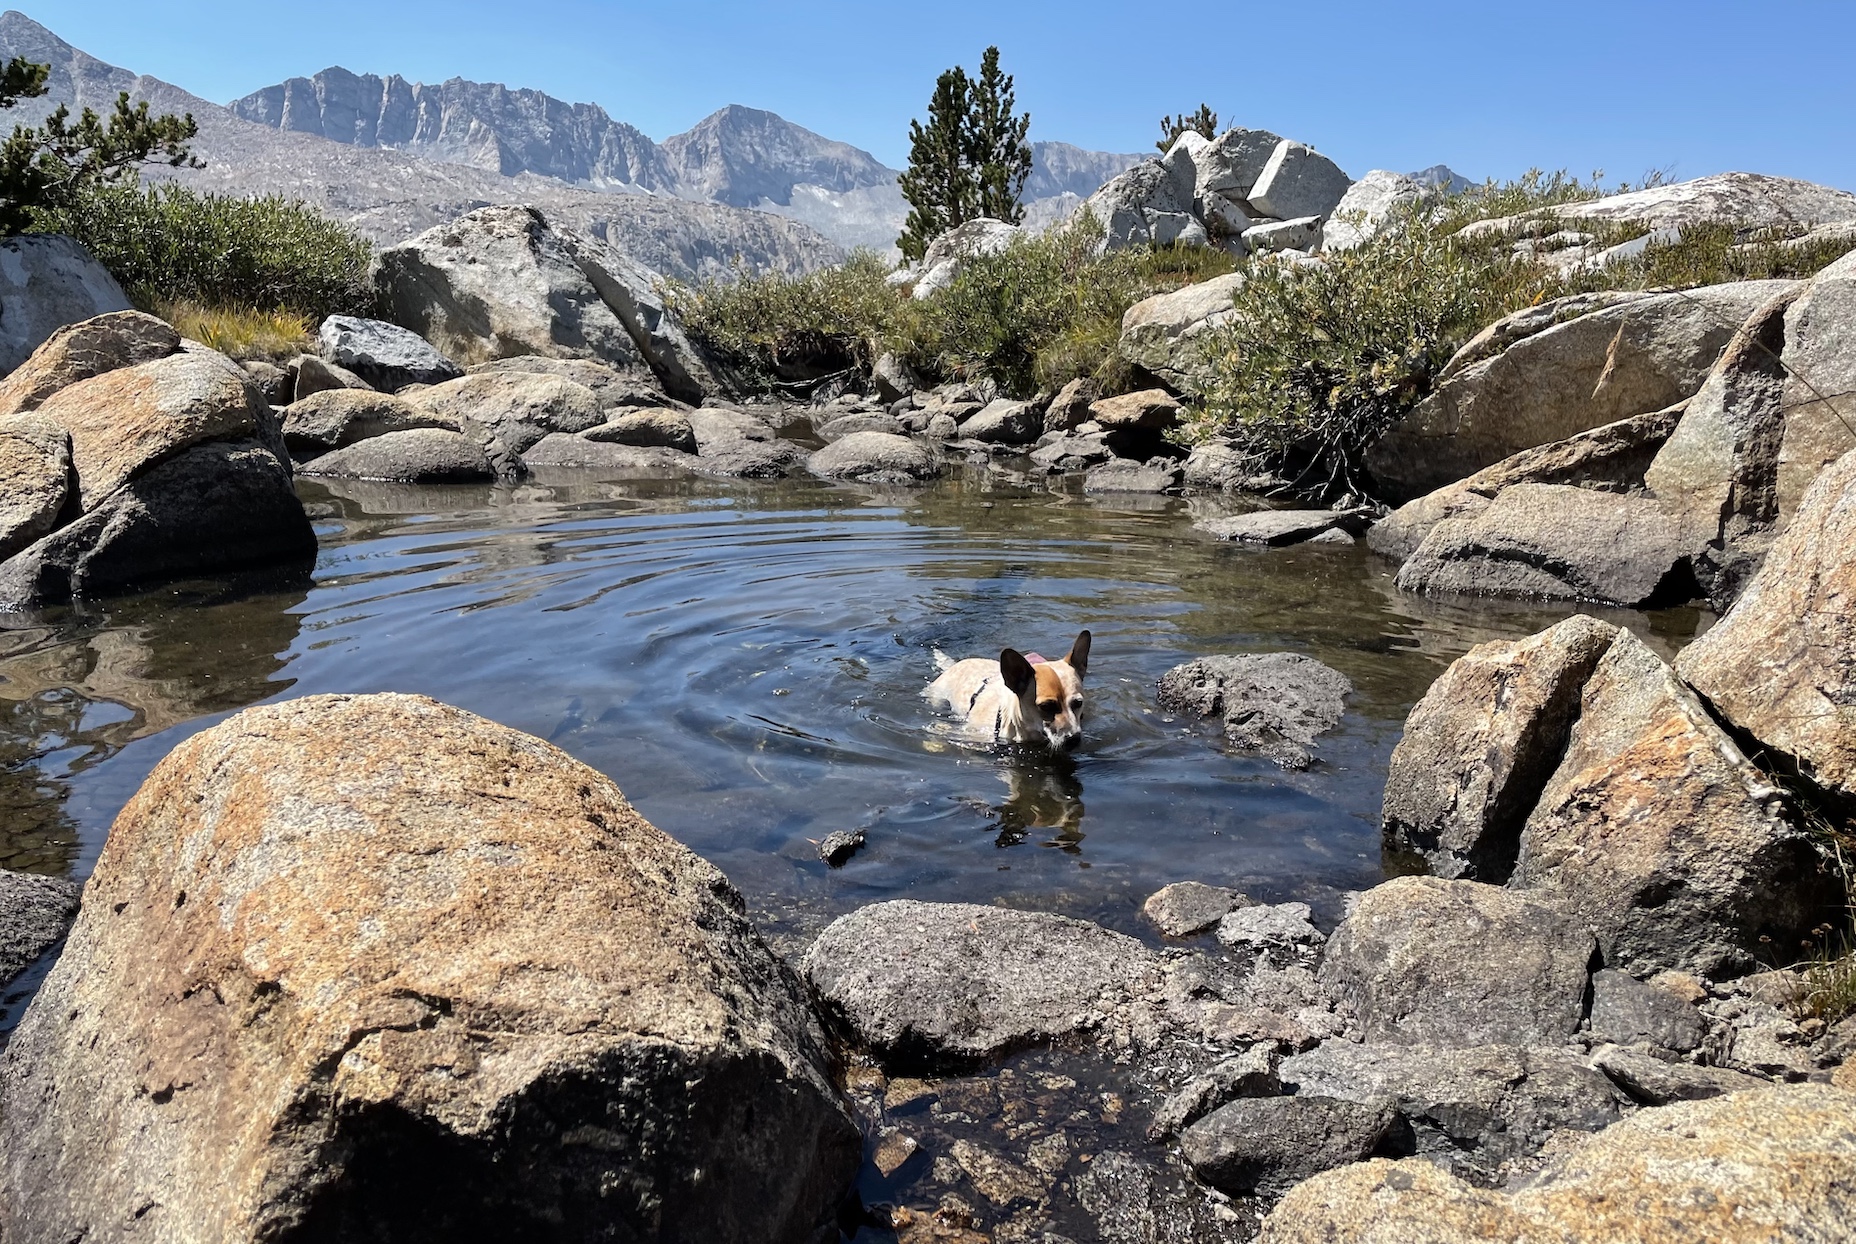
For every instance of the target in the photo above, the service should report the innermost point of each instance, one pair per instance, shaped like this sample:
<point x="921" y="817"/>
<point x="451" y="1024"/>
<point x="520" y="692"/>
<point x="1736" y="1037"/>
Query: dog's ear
<point x="1079" y="655"/>
<point x="1017" y="672"/>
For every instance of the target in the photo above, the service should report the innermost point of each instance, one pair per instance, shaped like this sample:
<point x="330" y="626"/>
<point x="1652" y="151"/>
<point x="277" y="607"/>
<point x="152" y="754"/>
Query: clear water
<point x="746" y="660"/>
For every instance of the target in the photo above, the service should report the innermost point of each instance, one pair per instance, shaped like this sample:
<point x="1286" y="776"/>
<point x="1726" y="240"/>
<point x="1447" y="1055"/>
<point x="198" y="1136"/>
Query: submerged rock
<point x="1273" y="703"/>
<point x="1280" y="527"/>
<point x="369" y="966"/>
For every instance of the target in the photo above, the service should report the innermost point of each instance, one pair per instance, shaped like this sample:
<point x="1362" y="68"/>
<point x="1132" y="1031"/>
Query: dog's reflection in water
<point x="1043" y="802"/>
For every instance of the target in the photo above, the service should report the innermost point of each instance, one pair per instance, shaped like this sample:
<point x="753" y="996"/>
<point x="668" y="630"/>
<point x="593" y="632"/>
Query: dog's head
<point x="1050" y="693"/>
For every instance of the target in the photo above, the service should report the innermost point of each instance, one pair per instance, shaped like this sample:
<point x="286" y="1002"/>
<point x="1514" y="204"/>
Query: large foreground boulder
<point x="1782" y="664"/>
<point x="1479" y="748"/>
<point x="337" y="417"/>
<point x="85" y="349"/>
<point x="35" y="479"/>
<point x="47" y="281"/>
<point x="1548" y="372"/>
<point x="955" y="984"/>
<point x="1659" y="835"/>
<point x="369" y="967"/>
<point x="502" y="281"/>
<point x="1750" y="1168"/>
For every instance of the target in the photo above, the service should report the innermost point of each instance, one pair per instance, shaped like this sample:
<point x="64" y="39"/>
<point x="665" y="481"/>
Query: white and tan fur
<point x="1013" y="699"/>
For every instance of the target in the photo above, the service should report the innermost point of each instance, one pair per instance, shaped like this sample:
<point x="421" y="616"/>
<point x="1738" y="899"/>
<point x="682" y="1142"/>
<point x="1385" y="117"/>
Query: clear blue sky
<point x="1489" y="88"/>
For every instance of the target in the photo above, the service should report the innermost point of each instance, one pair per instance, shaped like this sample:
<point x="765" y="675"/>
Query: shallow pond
<point x="746" y="660"/>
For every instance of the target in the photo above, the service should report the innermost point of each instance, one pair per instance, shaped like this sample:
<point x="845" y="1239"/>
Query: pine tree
<point x="999" y="150"/>
<point x="939" y="184"/>
<point x="50" y="166"/>
<point x="1204" y="121"/>
<point x="970" y="160"/>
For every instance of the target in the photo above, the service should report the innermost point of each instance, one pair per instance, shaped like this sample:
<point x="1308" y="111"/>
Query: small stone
<point x="1267" y="1145"/>
<point x="840" y="846"/>
<point x="1250" y="1074"/>
<point x="1188" y="907"/>
<point x="1264" y="928"/>
<point x="893" y="1148"/>
<point x="1625" y="1011"/>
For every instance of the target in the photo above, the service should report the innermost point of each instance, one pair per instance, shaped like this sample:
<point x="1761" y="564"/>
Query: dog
<point x="1018" y="698"/>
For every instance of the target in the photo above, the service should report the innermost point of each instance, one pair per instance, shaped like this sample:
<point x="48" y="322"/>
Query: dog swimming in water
<point x="1020" y="698"/>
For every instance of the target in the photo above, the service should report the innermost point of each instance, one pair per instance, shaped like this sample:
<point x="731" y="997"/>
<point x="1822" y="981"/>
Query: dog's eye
<point x="1048" y="707"/>
<point x="1076" y="705"/>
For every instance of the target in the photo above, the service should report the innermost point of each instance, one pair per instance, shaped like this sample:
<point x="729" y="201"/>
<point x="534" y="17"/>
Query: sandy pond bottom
<point x="746" y="660"/>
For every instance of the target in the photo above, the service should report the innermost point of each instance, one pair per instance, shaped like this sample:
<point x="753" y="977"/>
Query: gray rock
<point x="1781" y="665"/>
<point x="1274" y="703"/>
<point x="1479" y="747"/>
<point x="941" y="427"/>
<point x="516" y="408"/>
<point x="34" y="913"/>
<point x="1298" y="181"/>
<point x="1073" y="453"/>
<point x="953" y="984"/>
<point x="35" y="479"/>
<point x="1626" y="1011"/>
<point x="211" y="508"/>
<point x="1149" y="410"/>
<point x="385" y="355"/>
<point x="1369" y="205"/>
<point x="79" y="351"/>
<point x="1557" y="542"/>
<point x="419" y="456"/>
<point x="1003" y="422"/>
<point x="332" y="418"/>
<point x="1752" y="201"/>
<point x="891" y="379"/>
<point x="1819" y="363"/>
<point x="1280" y="527"/>
<point x="1263" y="928"/>
<point x="47" y="281"/>
<point x="1250" y="1074"/>
<point x="1549" y="372"/>
<point x="611" y="385"/>
<point x="1165" y="335"/>
<point x="1423" y="961"/>
<point x="1143" y="206"/>
<point x="617" y="461"/>
<point x="875" y="457"/>
<point x="858" y="421"/>
<point x="1127" y="475"/>
<point x="1653" y="1081"/>
<point x="1070" y="407"/>
<point x="950" y="253"/>
<point x="1231" y="164"/>
<point x="509" y="1002"/>
<point x="836" y="848"/>
<point x="1188" y="907"/>
<point x="1266" y="1145"/>
<point x="1301" y="234"/>
<point x="1657" y="833"/>
<point x="1140" y="1202"/>
<point x="1473" y="1111"/>
<point x="653" y="428"/>
<point x="309" y="374"/>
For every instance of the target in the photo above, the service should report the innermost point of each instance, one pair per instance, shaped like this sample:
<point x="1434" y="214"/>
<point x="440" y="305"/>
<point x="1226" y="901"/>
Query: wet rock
<point x="1479" y="747"/>
<point x="125" y="420"/>
<point x="564" y="449"/>
<point x="838" y="847"/>
<point x="1657" y="833"/>
<point x="741" y="445"/>
<point x="419" y="456"/>
<point x="937" y="984"/>
<point x="1475" y="1111"/>
<point x="1274" y="703"/>
<point x="334" y="418"/>
<point x="1755" y="1166"/>
<point x="48" y="281"/>
<point x="1188" y="907"/>
<point x="894" y="1147"/>
<point x="517" y="408"/>
<point x="371" y="966"/>
<point x="1136" y="1202"/>
<point x="34" y="913"/>
<point x="1266" y="1145"/>
<point x="1004" y="423"/>
<point x="215" y="507"/>
<point x="1781" y="665"/>
<point x="1611" y="458"/>
<point x="1279" y="527"/>
<point x="860" y="421"/>
<point x="1626" y="1011"/>
<point x="1250" y="1074"/>
<point x="35" y="479"/>
<point x="1150" y="410"/>
<point x="1556" y="542"/>
<point x="1654" y="1081"/>
<point x="1070" y="407"/>
<point x="1127" y="475"/>
<point x="82" y="350"/>
<point x="1072" y="453"/>
<point x="655" y="428"/>
<point x="1164" y="335"/>
<point x="1265" y="928"/>
<point x="385" y="355"/>
<point x="309" y="374"/>
<point x="875" y="457"/>
<point x="1546" y="373"/>
<point x="1423" y="961"/>
<point x="998" y="1179"/>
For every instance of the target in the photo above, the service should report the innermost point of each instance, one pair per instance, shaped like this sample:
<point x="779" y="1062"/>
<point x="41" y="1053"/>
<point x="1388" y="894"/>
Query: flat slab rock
<point x="1273" y="703"/>
<point x="1188" y="907"/>
<point x="1280" y="527"/>
<point x="952" y="984"/>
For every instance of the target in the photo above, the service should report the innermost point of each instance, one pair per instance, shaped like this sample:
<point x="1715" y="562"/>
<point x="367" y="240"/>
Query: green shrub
<point x="169" y="244"/>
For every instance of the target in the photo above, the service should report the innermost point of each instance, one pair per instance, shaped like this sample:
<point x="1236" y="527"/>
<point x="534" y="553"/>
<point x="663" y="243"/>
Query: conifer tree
<point x="1204" y="122"/>
<point x="970" y="160"/>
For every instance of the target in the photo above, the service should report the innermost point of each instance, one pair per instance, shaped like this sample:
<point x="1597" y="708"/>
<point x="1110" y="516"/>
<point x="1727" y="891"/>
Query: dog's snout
<point x="1068" y="742"/>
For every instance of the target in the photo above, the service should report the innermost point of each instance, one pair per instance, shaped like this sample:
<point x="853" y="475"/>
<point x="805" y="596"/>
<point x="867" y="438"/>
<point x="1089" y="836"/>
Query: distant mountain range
<point x="740" y="157"/>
